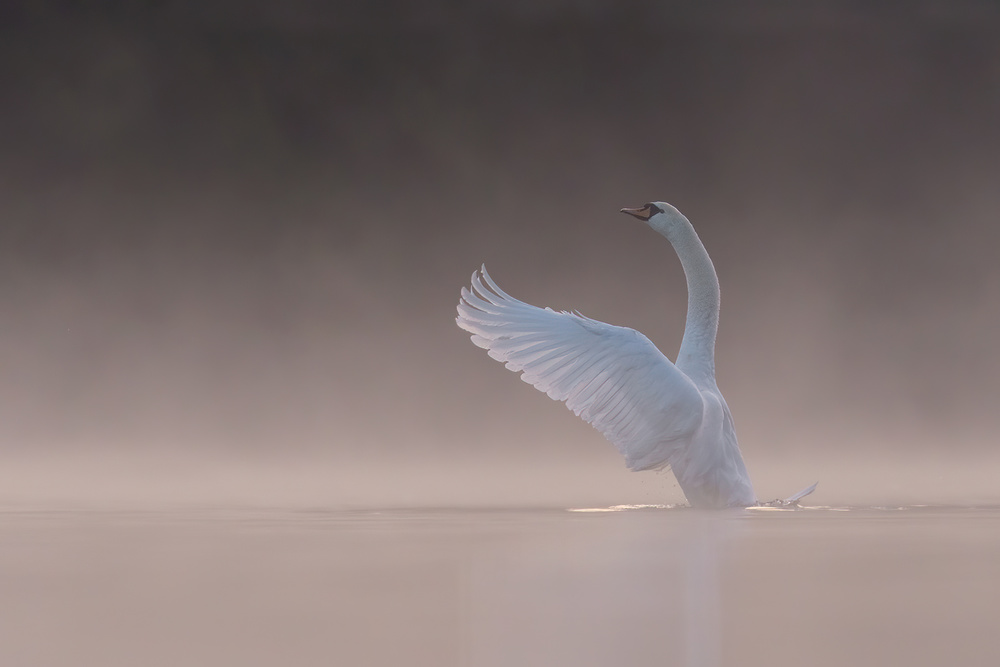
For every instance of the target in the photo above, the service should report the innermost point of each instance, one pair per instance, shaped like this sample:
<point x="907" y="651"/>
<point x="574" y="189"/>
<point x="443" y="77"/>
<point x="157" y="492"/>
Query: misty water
<point x="630" y="585"/>
<point x="233" y="237"/>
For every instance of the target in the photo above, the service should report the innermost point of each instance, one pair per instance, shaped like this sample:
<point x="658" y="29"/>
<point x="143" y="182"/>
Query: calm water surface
<point x="637" y="586"/>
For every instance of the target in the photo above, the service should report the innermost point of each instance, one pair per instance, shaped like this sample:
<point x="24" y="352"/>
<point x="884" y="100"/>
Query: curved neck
<point x="697" y="354"/>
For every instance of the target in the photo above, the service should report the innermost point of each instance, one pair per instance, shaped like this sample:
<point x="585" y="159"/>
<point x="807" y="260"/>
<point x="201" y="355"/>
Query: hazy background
<point x="232" y="239"/>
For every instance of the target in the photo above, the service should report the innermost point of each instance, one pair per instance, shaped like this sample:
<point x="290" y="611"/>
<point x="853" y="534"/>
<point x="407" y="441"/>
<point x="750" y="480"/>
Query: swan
<point x="657" y="414"/>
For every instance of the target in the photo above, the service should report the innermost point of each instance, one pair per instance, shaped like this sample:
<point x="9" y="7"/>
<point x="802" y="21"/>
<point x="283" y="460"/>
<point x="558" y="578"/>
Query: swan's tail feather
<point x="795" y="498"/>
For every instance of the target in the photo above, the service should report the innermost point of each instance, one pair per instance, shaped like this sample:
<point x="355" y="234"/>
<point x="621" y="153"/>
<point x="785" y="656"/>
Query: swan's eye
<point x="653" y="209"/>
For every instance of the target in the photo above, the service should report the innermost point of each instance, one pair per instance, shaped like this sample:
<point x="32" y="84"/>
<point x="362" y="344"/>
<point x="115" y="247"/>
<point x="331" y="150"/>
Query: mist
<point x="233" y="241"/>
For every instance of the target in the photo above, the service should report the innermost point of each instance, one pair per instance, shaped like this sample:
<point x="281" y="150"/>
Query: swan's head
<point x="659" y="215"/>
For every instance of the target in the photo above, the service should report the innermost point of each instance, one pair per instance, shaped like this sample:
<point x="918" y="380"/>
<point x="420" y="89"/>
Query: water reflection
<point x="641" y="585"/>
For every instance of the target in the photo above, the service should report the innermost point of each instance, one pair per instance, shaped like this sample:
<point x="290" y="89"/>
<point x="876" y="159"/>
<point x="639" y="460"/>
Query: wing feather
<point x="612" y="377"/>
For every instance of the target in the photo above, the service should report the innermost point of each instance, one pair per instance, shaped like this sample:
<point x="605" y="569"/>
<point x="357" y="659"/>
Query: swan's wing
<point x="612" y="377"/>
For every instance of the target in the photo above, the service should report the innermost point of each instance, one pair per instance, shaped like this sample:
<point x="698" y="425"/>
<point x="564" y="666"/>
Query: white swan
<point x="657" y="413"/>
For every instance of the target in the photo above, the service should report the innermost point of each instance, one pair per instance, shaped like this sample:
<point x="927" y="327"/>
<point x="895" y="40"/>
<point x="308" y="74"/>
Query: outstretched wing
<point x="612" y="377"/>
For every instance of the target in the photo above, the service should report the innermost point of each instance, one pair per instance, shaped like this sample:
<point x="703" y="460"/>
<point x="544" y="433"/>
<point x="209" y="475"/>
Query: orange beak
<point x="641" y="213"/>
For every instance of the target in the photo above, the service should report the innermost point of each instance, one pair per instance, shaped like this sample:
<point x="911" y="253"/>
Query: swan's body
<point x="657" y="413"/>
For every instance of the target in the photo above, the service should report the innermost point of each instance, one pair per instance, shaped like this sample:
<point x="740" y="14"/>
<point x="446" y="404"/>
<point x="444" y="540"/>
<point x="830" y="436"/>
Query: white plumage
<point x="656" y="413"/>
<point x="612" y="377"/>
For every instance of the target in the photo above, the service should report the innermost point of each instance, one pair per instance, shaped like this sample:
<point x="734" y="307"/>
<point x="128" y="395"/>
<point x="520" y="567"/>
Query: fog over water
<point x="233" y="240"/>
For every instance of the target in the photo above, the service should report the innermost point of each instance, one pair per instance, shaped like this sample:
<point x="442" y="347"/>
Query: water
<point x="636" y="586"/>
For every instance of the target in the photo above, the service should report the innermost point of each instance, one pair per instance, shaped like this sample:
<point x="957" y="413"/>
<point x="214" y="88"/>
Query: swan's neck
<point x="697" y="354"/>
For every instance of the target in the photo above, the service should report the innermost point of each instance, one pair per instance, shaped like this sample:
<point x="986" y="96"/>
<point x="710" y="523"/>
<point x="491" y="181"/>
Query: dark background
<point x="232" y="236"/>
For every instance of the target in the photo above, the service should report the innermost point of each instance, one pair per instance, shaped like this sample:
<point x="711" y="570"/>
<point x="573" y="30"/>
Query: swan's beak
<point x="641" y="213"/>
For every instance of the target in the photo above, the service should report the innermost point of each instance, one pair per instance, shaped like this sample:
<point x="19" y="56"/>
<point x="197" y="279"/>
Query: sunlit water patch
<point x="623" y="508"/>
